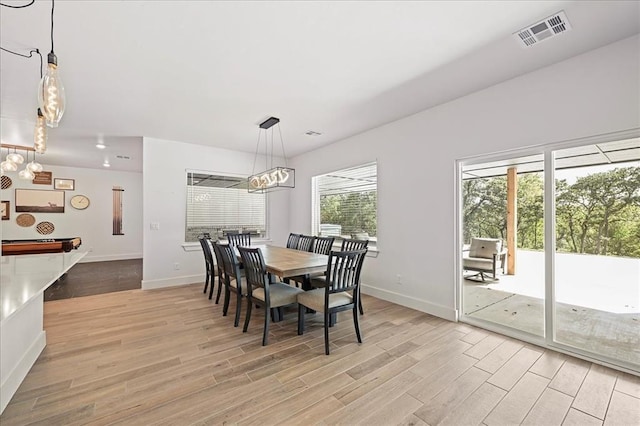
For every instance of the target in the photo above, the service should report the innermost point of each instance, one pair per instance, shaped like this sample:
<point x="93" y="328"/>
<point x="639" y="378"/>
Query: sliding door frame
<point x="548" y="341"/>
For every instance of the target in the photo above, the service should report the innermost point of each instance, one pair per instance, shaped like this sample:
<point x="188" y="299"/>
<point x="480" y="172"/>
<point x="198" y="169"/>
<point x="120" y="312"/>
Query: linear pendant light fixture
<point x="51" y="96"/>
<point x="274" y="177"/>
<point x="13" y="160"/>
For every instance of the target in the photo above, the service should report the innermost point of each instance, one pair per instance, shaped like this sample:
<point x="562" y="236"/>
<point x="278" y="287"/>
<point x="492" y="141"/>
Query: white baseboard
<point x="172" y="282"/>
<point x="110" y="257"/>
<point x="411" y="302"/>
<point x="13" y="380"/>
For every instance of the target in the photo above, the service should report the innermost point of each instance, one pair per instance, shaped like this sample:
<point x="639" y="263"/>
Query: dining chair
<point x="239" y="239"/>
<point x="355" y="244"/>
<point x="219" y="266"/>
<point x="348" y="245"/>
<point x="292" y="241"/>
<point x="232" y="280"/>
<point x="305" y="243"/>
<point x="208" y="262"/>
<point x="340" y="294"/>
<point x="321" y="245"/>
<point x="261" y="291"/>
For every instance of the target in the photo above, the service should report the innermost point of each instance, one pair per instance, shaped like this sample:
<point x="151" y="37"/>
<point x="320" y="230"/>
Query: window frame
<point x="315" y="205"/>
<point x="189" y="245"/>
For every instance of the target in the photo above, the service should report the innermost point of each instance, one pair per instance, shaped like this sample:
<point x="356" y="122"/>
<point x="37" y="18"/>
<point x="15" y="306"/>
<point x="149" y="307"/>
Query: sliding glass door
<point x="503" y="243"/>
<point x="577" y="287"/>
<point x="597" y="257"/>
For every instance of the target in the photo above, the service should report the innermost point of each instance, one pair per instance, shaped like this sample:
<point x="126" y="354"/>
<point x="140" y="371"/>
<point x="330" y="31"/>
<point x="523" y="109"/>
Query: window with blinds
<point x="346" y="203"/>
<point x="218" y="204"/>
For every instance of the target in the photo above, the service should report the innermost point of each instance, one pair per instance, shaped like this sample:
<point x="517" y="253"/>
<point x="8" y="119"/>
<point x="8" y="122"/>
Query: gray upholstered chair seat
<point x="314" y="299"/>
<point x="280" y="294"/>
<point x="234" y="283"/>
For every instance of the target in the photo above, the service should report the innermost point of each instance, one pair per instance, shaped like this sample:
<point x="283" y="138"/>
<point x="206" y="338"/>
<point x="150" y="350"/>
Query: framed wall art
<point x="5" y="207"/>
<point x="39" y="201"/>
<point x="42" y="178"/>
<point x="64" y="184"/>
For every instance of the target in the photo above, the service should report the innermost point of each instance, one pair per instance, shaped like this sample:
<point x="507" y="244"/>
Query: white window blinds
<point x="217" y="204"/>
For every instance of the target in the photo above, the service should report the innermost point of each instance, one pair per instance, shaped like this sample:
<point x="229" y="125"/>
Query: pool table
<point x="49" y="245"/>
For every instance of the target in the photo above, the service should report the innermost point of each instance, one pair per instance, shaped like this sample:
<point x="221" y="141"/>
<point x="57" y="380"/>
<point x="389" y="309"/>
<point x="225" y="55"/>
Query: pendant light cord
<point x="282" y="143"/>
<point x="33" y="50"/>
<point x="18" y="7"/>
<point x="255" y="158"/>
<point x="52" y="6"/>
<point x="30" y="55"/>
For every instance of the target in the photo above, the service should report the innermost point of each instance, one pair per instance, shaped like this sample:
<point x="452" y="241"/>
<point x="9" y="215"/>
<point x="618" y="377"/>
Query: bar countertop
<point x="25" y="277"/>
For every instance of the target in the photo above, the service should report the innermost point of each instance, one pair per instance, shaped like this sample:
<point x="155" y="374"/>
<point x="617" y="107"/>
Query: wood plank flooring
<point x="169" y="357"/>
<point x="91" y="278"/>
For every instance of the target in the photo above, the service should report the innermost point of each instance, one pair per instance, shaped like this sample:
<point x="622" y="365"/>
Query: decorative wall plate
<point x="6" y="182"/>
<point x="45" y="228"/>
<point x="25" y="220"/>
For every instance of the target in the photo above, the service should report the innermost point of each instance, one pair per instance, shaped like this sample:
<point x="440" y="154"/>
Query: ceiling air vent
<point x="547" y="28"/>
<point x="312" y="133"/>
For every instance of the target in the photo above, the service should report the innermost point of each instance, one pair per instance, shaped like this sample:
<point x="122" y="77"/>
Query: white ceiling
<point x="209" y="72"/>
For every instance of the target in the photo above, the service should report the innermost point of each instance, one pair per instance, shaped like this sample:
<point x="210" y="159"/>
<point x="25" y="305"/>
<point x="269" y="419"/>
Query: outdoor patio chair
<point x="485" y="255"/>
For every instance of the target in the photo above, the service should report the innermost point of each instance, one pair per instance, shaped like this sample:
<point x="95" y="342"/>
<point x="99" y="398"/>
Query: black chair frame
<point x="231" y="272"/>
<point x="208" y="263"/>
<point x="306" y="243"/>
<point x="292" y="241"/>
<point x="239" y="239"/>
<point x="348" y="245"/>
<point x="256" y="276"/>
<point x="219" y="266"/>
<point x="343" y="269"/>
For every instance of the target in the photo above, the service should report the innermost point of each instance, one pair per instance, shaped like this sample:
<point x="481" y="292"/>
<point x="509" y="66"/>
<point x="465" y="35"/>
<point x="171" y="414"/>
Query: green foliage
<point x="598" y="214"/>
<point x="354" y="211"/>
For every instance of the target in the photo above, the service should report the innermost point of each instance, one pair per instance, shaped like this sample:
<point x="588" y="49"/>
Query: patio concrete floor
<point x="598" y="301"/>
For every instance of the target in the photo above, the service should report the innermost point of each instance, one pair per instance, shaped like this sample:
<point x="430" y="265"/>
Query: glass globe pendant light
<point x="34" y="166"/>
<point x="8" y="166"/>
<point x="51" y="97"/>
<point x="15" y="158"/>
<point x="26" y="173"/>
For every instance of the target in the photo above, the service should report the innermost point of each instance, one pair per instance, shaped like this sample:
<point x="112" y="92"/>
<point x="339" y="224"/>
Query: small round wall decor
<point x="6" y="182"/>
<point x="45" y="228"/>
<point x="25" y="220"/>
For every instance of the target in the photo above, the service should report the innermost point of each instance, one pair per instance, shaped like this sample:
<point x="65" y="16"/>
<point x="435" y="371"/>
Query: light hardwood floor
<point x="169" y="357"/>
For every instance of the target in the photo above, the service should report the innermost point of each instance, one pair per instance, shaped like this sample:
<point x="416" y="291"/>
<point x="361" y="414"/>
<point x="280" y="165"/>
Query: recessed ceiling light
<point x="312" y="133"/>
<point x="106" y="164"/>
<point x="100" y="144"/>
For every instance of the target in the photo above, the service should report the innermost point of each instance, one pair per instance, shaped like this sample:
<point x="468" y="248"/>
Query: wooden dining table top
<point x="286" y="262"/>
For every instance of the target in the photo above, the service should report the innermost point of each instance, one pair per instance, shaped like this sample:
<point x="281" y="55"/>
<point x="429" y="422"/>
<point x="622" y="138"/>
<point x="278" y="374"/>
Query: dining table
<point x="286" y="262"/>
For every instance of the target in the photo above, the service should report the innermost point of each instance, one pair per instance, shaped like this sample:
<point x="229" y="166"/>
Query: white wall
<point x="165" y="165"/>
<point x="94" y="224"/>
<point x="591" y="94"/>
